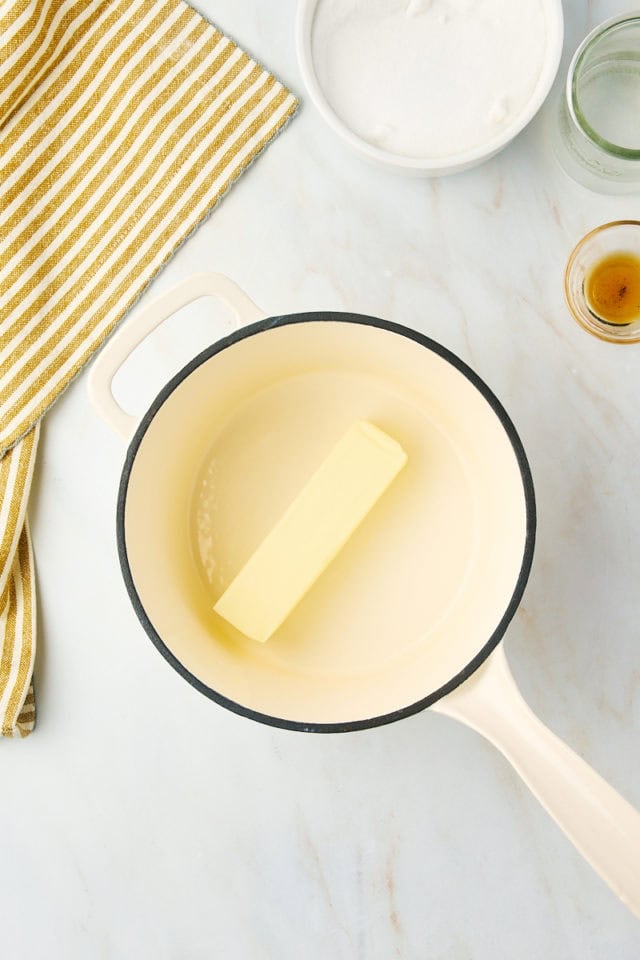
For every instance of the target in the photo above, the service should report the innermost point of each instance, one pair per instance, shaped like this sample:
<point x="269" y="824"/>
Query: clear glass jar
<point x="598" y="136"/>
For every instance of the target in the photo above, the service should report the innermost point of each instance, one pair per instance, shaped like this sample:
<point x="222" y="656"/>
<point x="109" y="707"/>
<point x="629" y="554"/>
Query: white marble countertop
<point x="143" y="821"/>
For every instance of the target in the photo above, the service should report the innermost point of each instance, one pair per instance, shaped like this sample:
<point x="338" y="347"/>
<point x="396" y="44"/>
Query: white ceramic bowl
<point x="429" y="166"/>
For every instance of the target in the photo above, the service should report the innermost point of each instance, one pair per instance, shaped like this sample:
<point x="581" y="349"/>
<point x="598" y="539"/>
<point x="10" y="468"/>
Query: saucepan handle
<point x="142" y="322"/>
<point x="603" y="826"/>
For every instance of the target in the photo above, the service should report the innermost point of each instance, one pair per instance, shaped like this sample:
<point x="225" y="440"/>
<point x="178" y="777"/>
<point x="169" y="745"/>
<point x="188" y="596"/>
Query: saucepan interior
<point x="424" y="588"/>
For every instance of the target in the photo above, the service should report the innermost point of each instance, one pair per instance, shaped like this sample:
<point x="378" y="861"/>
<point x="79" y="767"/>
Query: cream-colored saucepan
<point x="411" y="612"/>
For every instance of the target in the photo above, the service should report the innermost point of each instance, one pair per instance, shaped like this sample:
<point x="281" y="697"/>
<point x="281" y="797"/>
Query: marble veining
<point x="142" y="821"/>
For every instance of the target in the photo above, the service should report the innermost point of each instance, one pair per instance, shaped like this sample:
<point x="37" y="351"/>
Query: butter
<point x="312" y="531"/>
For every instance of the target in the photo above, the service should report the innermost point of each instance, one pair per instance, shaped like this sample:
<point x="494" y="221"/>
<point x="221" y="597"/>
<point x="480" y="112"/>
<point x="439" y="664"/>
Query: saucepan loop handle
<point x="142" y="322"/>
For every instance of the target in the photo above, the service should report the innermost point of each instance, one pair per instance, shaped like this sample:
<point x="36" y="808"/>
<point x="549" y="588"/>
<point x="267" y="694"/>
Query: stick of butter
<point x="312" y="531"/>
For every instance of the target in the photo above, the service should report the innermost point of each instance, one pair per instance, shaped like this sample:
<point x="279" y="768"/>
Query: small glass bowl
<point x="620" y="236"/>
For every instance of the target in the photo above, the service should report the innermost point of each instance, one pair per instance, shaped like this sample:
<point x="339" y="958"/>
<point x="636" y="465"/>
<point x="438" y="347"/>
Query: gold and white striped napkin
<point x="122" y="124"/>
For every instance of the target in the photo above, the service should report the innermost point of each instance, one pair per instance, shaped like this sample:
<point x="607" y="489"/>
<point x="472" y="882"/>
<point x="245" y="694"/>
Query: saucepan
<point x="411" y="613"/>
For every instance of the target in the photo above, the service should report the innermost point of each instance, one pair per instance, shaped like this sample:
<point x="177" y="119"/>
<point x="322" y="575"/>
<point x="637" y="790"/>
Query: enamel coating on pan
<point x="604" y="827"/>
<point x="254" y="330"/>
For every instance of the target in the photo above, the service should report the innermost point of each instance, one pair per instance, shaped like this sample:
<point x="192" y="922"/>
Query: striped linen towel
<point x="122" y="124"/>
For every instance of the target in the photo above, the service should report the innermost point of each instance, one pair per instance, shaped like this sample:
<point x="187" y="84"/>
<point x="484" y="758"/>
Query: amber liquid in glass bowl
<point x="612" y="288"/>
<point x="602" y="282"/>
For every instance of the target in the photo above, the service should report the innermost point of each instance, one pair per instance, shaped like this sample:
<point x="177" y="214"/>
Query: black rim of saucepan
<point x="527" y="483"/>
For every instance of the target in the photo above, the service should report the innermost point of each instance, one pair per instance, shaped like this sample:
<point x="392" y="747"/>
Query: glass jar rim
<point x="578" y="117"/>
